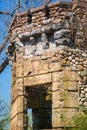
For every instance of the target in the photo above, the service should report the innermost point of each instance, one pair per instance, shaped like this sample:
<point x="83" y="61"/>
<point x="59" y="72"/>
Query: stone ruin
<point x="48" y="53"/>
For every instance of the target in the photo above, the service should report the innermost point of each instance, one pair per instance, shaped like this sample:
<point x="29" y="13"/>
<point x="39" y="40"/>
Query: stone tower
<point x="48" y="53"/>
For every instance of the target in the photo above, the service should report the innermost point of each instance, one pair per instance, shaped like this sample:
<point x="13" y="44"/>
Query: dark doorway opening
<point x="39" y="100"/>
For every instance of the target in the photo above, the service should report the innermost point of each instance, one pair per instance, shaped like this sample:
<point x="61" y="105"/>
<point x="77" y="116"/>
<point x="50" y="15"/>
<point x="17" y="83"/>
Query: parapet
<point x="42" y="29"/>
<point x="36" y="18"/>
<point x="63" y="23"/>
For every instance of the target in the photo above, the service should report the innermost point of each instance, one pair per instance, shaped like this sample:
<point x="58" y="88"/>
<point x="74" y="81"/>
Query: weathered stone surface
<point x="57" y="76"/>
<point x="17" y="106"/>
<point x="32" y="40"/>
<point x="56" y="86"/>
<point x="55" y="66"/>
<point x="40" y="67"/>
<point x="19" y="72"/>
<point x="57" y="99"/>
<point x="62" y="41"/>
<point x="80" y="67"/>
<point x="14" y="123"/>
<point x="57" y="120"/>
<point x="24" y="35"/>
<point x="43" y="37"/>
<point x="65" y="99"/>
<point x="27" y="67"/>
<point x="67" y="112"/>
<point x="71" y="103"/>
<point x="66" y="75"/>
<point x="69" y="85"/>
<point x="18" y="122"/>
<point x="61" y="34"/>
<point x="70" y="99"/>
<point x="36" y="80"/>
<point x="17" y="89"/>
<point x="19" y="68"/>
<point x="66" y="85"/>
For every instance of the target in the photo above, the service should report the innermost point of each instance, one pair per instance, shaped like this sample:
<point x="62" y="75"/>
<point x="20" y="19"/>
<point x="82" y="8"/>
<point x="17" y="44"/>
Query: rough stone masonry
<point x="48" y="53"/>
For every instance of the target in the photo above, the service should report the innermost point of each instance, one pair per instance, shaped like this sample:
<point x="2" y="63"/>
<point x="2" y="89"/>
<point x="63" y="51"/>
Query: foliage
<point x="30" y="120"/>
<point x="78" y="122"/>
<point x="4" y="116"/>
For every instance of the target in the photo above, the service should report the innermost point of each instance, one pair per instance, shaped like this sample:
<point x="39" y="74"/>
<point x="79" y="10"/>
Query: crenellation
<point x="39" y="17"/>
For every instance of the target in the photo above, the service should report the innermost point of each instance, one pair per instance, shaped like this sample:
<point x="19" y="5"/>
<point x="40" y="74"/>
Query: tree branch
<point x="4" y="43"/>
<point x="46" y="2"/>
<point x="6" y="13"/>
<point x="3" y="65"/>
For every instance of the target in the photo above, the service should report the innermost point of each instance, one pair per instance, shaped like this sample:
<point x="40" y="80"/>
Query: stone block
<point x="63" y="117"/>
<point x="80" y="67"/>
<point x="63" y="98"/>
<point x="57" y="104"/>
<point x="50" y="53"/>
<point x="27" y="66"/>
<point x="17" y="89"/>
<point x="57" y="76"/>
<point x="19" y="61"/>
<point x="55" y="66"/>
<point x="66" y="85"/>
<point x="18" y="122"/>
<point x="70" y="95"/>
<point x="57" y="98"/>
<point x="40" y="67"/>
<point x="57" y="86"/>
<point x="71" y="103"/>
<point x="68" y="113"/>
<point x="56" y="118"/>
<point x="37" y="80"/>
<point x="70" y="85"/>
<point x="19" y="72"/>
<point x="17" y="106"/>
<point x="61" y="33"/>
<point x="70" y="76"/>
<point x="14" y="123"/>
<point x="70" y="99"/>
<point x="14" y="74"/>
<point x="35" y="67"/>
<point x="62" y="41"/>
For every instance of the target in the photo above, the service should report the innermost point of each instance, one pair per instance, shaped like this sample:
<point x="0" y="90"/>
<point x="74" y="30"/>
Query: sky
<point x="6" y="75"/>
<point x="5" y="84"/>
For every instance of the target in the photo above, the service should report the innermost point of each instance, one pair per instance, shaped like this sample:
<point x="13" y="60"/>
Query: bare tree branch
<point x="3" y="65"/>
<point x="46" y="2"/>
<point x="4" y="43"/>
<point x="18" y="6"/>
<point x="6" y="13"/>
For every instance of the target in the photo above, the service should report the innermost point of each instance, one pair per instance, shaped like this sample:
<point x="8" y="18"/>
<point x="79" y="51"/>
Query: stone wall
<point x="49" y="66"/>
<point x="65" y="69"/>
<point x="80" y="22"/>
